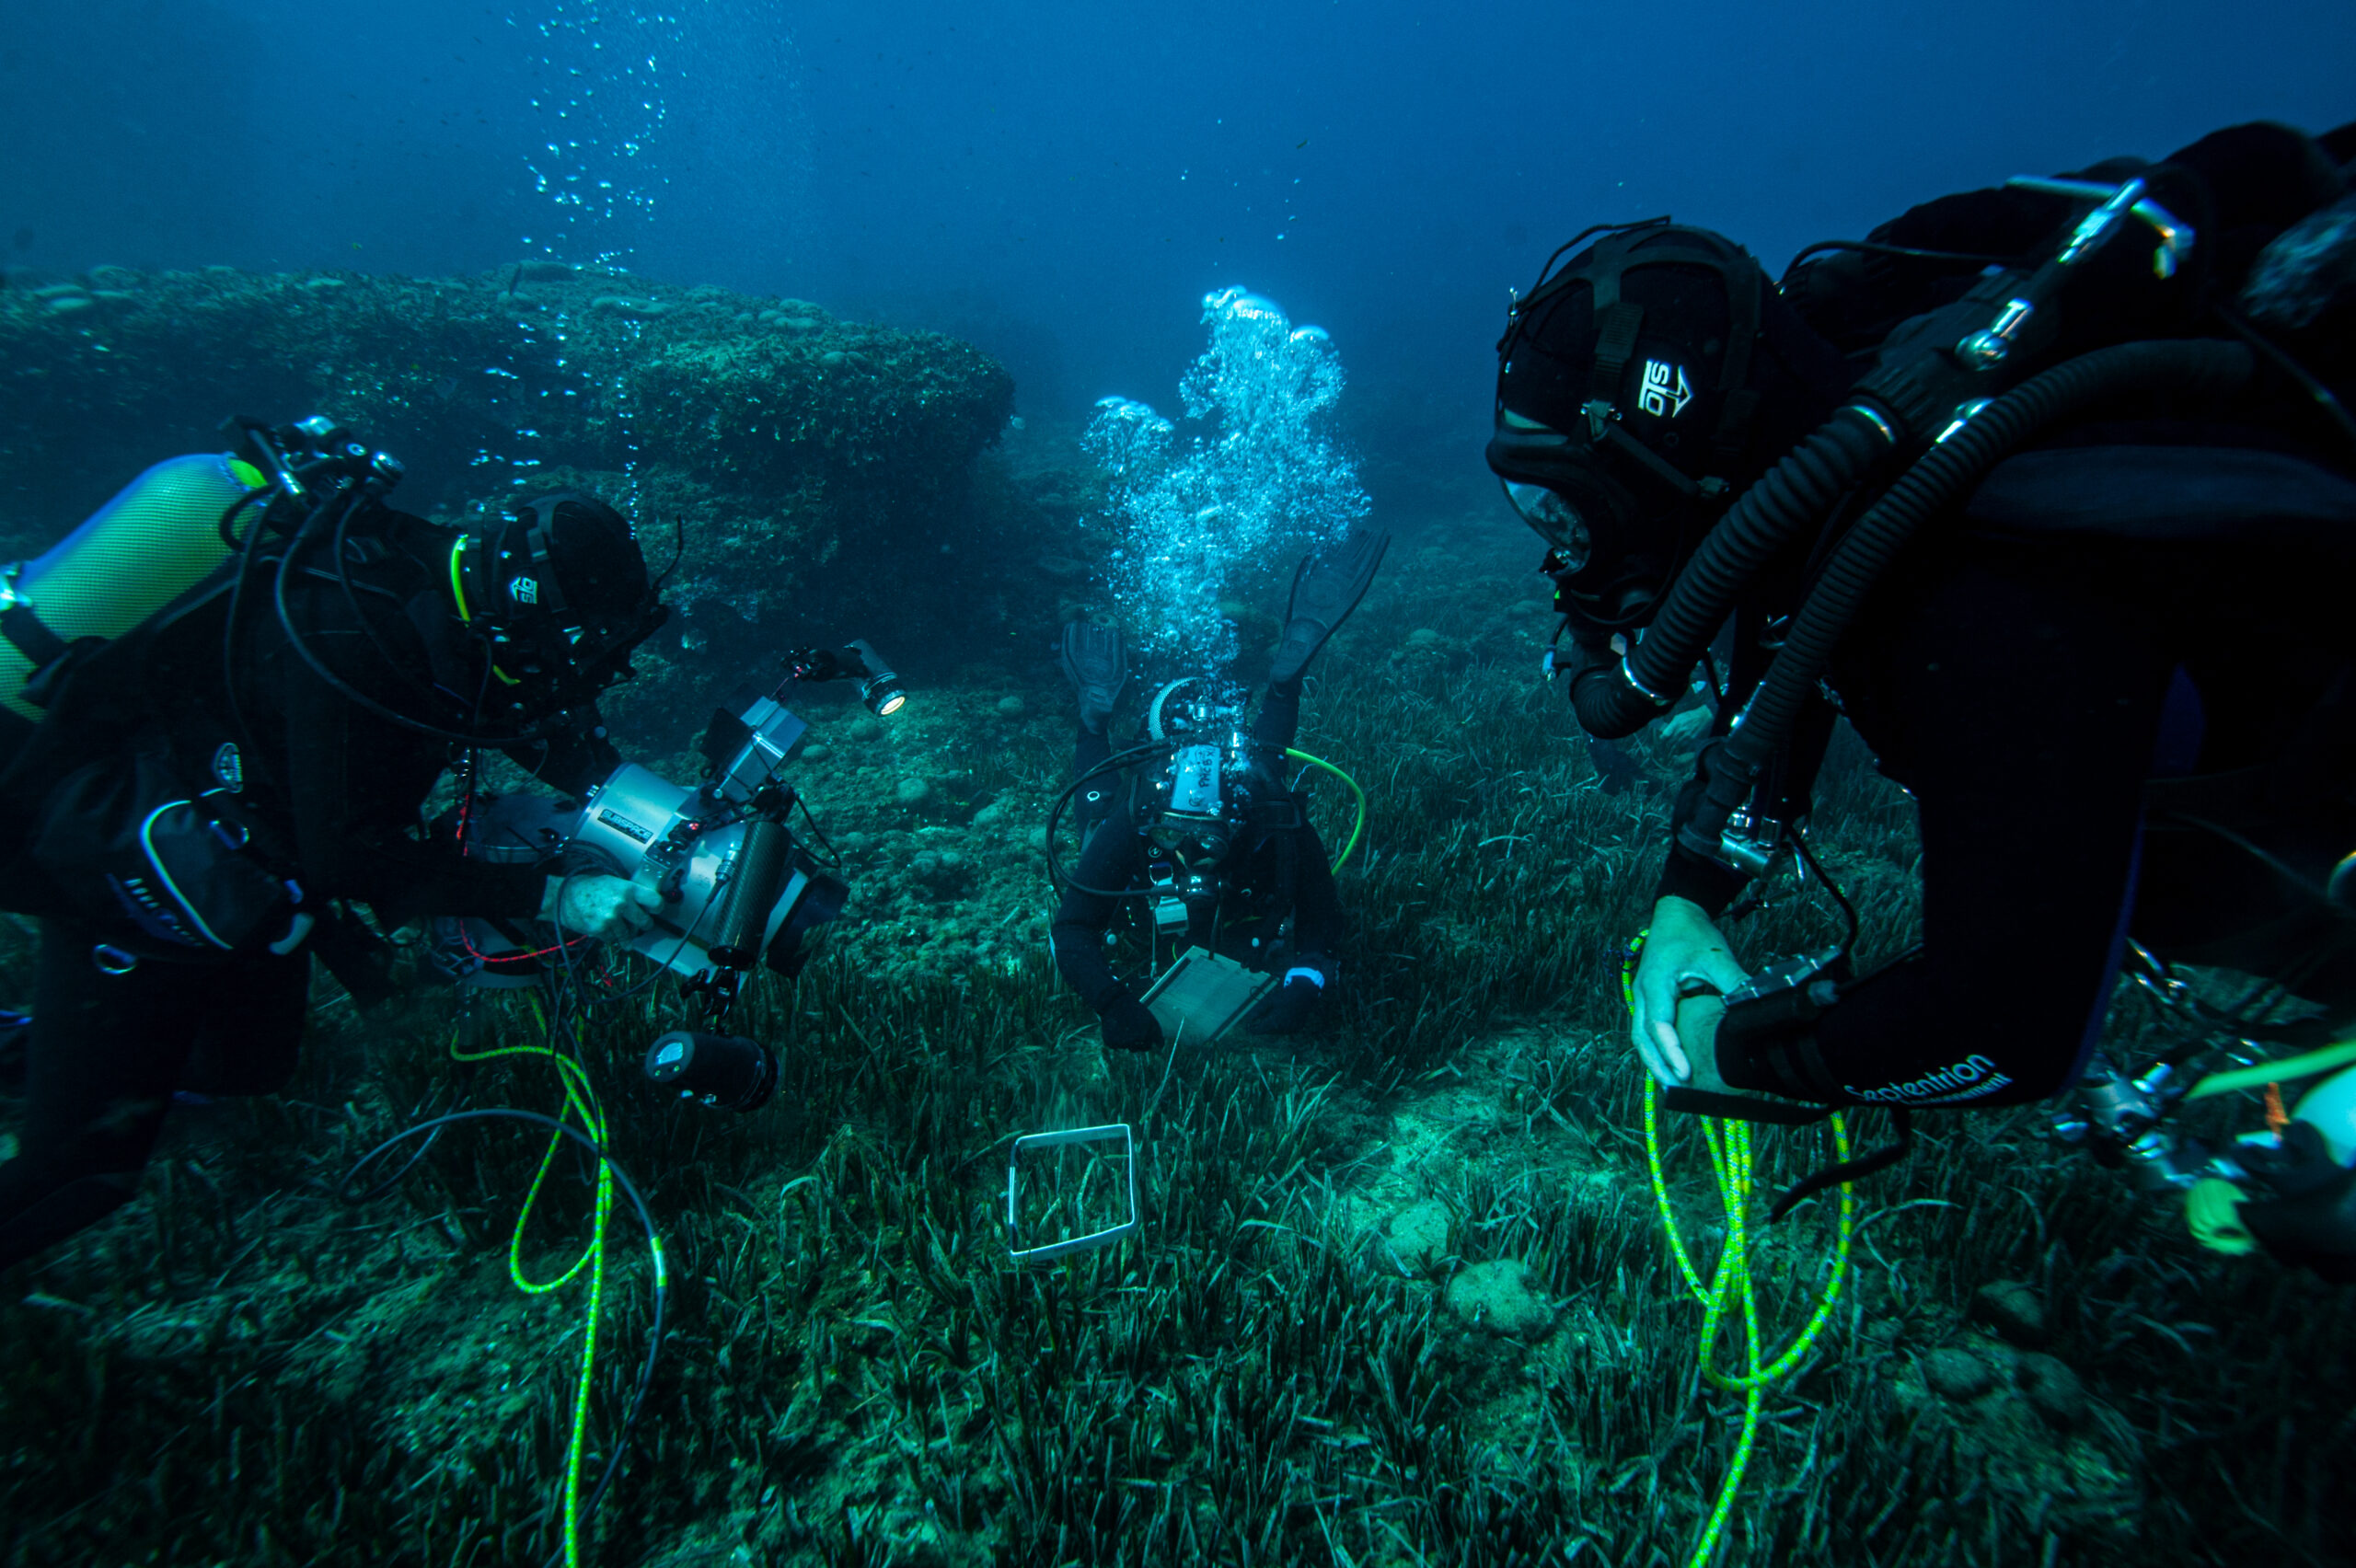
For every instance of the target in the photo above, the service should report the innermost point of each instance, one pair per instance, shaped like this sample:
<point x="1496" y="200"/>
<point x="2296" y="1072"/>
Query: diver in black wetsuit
<point x="1224" y="853"/>
<point x="428" y="642"/>
<point x="2125" y="573"/>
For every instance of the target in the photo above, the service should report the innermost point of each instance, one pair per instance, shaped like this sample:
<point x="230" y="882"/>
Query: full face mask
<point x="559" y="592"/>
<point x="1639" y="389"/>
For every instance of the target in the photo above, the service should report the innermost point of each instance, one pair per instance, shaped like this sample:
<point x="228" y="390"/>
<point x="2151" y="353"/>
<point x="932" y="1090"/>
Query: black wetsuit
<point x="342" y="789"/>
<point x="1286" y="875"/>
<point x="2102" y="617"/>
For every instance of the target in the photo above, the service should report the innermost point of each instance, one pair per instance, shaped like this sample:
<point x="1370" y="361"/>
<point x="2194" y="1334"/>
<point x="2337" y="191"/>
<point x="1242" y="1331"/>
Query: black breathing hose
<point x="2181" y="370"/>
<point x="1616" y="700"/>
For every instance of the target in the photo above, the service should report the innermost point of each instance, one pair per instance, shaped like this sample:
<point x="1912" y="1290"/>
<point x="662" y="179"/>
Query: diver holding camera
<point x="1233" y="880"/>
<point x="228" y="696"/>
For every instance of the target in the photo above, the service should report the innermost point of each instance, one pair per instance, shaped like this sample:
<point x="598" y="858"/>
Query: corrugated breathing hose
<point x="1794" y="494"/>
<point x="2182" y="370"/>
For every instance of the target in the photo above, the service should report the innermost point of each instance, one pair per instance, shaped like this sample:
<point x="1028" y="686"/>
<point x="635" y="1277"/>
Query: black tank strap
<point x="31" y="636"/>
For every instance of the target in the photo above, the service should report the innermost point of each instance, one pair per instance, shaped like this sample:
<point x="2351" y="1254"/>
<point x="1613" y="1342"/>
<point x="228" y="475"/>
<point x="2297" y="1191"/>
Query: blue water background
<point x="1063" y="182"/>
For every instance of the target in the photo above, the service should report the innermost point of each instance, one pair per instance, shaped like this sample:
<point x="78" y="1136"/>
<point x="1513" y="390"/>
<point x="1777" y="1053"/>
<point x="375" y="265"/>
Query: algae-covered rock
<point x="802" y="464"/>
<point x="2054" y="1389"/>
<point x="1497" y="1297"/>
<point x="1957" y="1372"/>
<point x="2013" y="1309"/>
<point x="1418" y="1236"/>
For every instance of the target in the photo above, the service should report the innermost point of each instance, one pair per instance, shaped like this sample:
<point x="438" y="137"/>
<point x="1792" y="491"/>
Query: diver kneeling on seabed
<point x="1239" y="915"/>
<point x="2047" y="488"/>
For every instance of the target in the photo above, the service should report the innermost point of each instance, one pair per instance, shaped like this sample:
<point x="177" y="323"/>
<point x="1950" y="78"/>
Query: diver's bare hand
<point x="1684" y="957"/>
<point x="592" y="903"/>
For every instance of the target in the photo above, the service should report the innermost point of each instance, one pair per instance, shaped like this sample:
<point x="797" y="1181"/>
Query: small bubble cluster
<point x="1264" y="479"/>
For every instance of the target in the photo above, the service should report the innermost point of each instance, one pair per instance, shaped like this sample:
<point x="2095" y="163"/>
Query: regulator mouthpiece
<point x="716" y="1069"/>
<point x="882" y="690"/>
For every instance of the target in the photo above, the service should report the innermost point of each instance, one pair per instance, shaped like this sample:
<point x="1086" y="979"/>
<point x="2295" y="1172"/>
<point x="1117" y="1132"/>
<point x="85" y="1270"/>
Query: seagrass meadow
<point x="1400" y="1296"/>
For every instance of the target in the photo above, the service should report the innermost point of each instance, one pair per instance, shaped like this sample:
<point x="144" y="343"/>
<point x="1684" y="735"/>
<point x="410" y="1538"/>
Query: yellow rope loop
<point x="580" y="1101"/>
<point x="1732" y="1280"/>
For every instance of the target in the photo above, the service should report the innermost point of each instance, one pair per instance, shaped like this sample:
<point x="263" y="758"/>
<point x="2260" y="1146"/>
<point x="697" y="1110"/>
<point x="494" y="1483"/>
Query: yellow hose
<point x="580" y="1100"/>
<point x="1730" y="1162"/>
<point x="1355" y="827"/>
<point x="2321" y="1060"/>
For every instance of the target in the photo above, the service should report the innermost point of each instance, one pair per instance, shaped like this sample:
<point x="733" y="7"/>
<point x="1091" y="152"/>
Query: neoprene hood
<point x="1640" y="388"/>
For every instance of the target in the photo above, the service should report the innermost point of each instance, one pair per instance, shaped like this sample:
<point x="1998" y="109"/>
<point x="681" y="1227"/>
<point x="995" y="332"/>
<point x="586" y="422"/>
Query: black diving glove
<point x="1129" y="1025"/>
<point x="2311" y="1219"/>
<point x="1290" y="1007"/>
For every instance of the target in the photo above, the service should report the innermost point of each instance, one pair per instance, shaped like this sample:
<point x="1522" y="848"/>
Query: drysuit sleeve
<point x="2031" y="832"/>
<point x="1112" y="860"/>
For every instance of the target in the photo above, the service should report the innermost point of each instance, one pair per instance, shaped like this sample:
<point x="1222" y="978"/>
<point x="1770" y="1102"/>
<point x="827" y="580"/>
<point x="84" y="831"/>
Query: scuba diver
<point x="1235" y="881"/>
<point x="2046" y="489"/>
<point x="203" y="787"/>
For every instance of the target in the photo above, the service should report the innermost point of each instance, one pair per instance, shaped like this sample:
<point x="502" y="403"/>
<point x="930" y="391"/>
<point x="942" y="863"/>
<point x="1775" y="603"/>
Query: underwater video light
<point x="717" y="1070"/>
<point x="880" y="690"/>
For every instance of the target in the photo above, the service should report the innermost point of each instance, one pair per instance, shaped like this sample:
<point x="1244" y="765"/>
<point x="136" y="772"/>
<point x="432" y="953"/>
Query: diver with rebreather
<point x="1195" y="832"/>
<point x="228" y="697"/>
<point x="2049" y="489"/>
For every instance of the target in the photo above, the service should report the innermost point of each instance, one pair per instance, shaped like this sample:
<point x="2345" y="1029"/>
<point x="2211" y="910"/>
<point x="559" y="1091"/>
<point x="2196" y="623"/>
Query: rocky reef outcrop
<point x="818" y="472"/>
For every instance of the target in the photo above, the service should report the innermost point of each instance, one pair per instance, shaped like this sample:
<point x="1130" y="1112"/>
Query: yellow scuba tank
<point x="159" y="536"/>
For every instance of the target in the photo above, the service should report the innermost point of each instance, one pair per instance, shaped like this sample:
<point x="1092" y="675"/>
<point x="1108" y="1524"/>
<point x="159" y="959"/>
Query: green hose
<point x="2290" y="1067"/>
<point x="1357" y="827"/>
<point x="1732" y="1281"/>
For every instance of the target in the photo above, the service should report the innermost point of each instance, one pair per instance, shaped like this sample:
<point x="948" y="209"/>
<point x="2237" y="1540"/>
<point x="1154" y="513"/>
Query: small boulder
<point x="1497" y="1297"/>
<point x="1418" y="1235"/>
<point x="2054" y="1387"/>
<point x="913" y="791"/>
<point x="2015" y="1310"/>
<point x="1956" y="1372"/>
<point x="1009" y="708"/>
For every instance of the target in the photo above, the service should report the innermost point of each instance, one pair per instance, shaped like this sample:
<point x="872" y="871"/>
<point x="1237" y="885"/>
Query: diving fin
<point x="1324" y="591"/>
<point x="1094" y="664"/>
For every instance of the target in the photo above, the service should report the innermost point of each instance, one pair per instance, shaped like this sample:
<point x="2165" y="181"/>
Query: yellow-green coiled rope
<point x="1731" y="1163"/>
<point x="581" y="1102"/>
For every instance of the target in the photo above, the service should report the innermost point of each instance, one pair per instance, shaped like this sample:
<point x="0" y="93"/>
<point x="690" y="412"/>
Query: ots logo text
<point x="1665" y="391"/>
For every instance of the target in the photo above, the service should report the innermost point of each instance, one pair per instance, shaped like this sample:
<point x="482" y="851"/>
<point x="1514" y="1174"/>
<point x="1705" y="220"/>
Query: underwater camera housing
<point x="737" y="887"/>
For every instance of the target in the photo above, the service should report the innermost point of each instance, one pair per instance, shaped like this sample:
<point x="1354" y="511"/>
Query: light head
<point x="879" y="686"/>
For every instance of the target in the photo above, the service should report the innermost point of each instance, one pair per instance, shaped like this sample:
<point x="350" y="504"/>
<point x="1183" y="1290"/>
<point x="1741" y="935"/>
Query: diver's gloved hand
<point x="2310" y="1220"/>
<point x="1129" y="1025"/>
<point x="1291" y="1006"/>
<point x="1684" y="960"/>
<point x="591" y="903"/>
